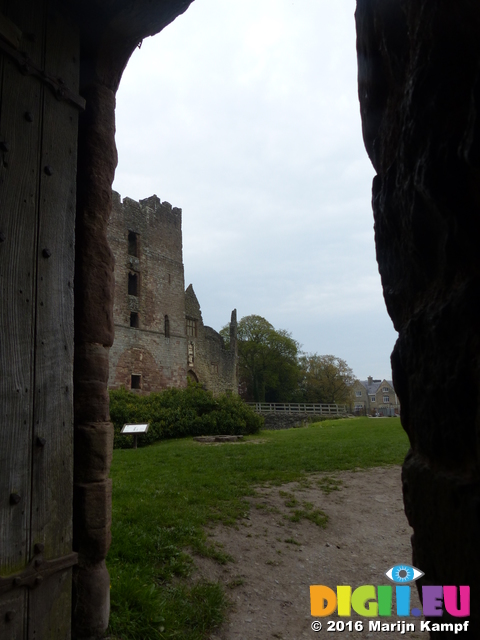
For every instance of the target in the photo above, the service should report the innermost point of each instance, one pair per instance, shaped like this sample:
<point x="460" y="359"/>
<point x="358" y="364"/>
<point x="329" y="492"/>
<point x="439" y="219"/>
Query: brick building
<point x="160" y="338"/>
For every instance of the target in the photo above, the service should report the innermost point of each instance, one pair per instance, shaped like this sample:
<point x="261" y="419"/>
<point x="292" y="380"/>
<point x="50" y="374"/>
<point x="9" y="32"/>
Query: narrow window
<point x="214" y="367"/>
<point x="134" y="319"/>
<point x="167" y="327"/>
<point x="132" y="284"/>
<point x="136" y="380"/>
<point x="133" y="244"/>
<point x="191" y="327"/>
<point x="169" y="279"/>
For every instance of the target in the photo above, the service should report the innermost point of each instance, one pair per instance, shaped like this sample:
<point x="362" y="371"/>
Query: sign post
<point x="134" y="429"/>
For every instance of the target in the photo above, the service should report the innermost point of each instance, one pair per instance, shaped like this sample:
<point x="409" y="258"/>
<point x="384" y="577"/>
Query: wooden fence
<point x="299" y="407"/>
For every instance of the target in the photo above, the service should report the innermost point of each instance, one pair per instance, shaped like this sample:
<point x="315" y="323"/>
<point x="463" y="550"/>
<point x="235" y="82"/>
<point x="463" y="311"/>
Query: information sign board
<point x="129" y="429"/>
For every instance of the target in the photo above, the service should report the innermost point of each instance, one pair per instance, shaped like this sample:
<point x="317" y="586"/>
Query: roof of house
<point x="375" y="385"/>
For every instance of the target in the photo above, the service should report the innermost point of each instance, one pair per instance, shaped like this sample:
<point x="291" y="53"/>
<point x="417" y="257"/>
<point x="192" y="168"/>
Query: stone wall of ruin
<point x="156" y="350"/>
<point x="212" y="364"/>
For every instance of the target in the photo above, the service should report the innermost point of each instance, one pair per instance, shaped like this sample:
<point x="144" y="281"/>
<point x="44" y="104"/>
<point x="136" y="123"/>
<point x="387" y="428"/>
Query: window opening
<point x="132" y="284"/>
<point x="191" y="375"/>
<point x="167" y="327"/>
<point x="133" y="244"/>
<point x="191" y="327"/>
<point x="135" y="381"/>
<point x="134" y="319"/>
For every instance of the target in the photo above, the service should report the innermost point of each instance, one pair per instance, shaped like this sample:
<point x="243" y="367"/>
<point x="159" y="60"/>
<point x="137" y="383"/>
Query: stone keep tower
<point x="160" y="338"/>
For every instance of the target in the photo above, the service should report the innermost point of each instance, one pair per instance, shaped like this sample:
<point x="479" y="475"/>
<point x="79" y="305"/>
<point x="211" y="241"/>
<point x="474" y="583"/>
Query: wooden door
<point x="38" y="137"/>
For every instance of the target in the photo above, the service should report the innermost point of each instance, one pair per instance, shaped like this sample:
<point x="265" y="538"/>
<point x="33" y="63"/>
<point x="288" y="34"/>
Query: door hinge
<point x="9" y="31"/>
<point x="28" y="67"/>
<point x="36" y="572"/>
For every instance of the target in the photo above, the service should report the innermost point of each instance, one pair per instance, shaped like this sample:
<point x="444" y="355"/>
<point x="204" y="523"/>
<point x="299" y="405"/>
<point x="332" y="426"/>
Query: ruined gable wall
<point x="218" y="364"/>
<point x="146" y="350"/>
<point x="214" y="366"/>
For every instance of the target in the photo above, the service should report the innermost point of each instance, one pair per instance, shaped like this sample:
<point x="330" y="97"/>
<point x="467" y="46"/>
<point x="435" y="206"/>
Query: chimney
<point x="370" y="380"/>
<point x="233" y="330"/>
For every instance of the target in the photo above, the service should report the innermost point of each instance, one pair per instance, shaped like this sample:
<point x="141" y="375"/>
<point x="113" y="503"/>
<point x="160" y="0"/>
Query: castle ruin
<point x="160" y="338"/>
<point x="420" y="104"/>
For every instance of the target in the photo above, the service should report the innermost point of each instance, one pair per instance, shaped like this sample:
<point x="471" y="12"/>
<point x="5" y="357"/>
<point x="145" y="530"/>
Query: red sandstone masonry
<point x="157" y="350"/>
<point x="93" y="336"/>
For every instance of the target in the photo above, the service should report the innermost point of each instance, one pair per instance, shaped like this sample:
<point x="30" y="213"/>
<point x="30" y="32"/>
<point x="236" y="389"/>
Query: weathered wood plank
<point x="52" y="489"/>
<point x="18" y="221"/>
<point x="53" y="466"/>
<point x="9" y="31"/>
<point x="2" y="9"/>
<point x="49" y="616"/>
<point x="12" y="622"/>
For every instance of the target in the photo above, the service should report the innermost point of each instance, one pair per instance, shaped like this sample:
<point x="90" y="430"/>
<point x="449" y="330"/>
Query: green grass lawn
<point x="165" y="495"/>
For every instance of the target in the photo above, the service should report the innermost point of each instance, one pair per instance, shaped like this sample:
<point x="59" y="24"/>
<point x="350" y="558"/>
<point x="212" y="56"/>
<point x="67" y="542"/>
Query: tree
<point x="267" y="360"/>
<point x="326" y="379"/>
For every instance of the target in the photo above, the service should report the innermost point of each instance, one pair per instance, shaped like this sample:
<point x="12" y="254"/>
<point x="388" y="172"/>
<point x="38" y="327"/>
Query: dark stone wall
<point x="418" y="72"/>
<point x="278" y="421"/>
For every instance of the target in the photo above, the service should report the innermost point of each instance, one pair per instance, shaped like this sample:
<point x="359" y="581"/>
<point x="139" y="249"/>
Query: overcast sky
<point x="245" y="114"/>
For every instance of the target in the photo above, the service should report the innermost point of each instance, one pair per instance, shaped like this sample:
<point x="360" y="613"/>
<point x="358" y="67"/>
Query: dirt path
<point x="277" y="559"/>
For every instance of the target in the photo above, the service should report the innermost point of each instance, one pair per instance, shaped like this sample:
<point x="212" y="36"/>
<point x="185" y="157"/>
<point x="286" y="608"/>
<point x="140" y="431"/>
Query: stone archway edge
<point x="108" y="36"/>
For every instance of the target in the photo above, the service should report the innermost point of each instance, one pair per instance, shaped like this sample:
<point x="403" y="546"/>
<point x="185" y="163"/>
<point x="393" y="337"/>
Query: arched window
<point x="192" y="376"/>
<point x="167" y="327"/>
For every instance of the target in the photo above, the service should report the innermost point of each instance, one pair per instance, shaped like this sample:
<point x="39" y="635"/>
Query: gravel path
<point x="277" y="559"/>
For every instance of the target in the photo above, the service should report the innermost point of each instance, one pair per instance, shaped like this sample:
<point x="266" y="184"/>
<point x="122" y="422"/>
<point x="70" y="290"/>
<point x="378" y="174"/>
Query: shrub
<point x="178" y="413"/>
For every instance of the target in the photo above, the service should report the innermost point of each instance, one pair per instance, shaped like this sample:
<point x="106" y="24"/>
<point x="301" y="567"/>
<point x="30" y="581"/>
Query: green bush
<point x="177" y="413"/>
